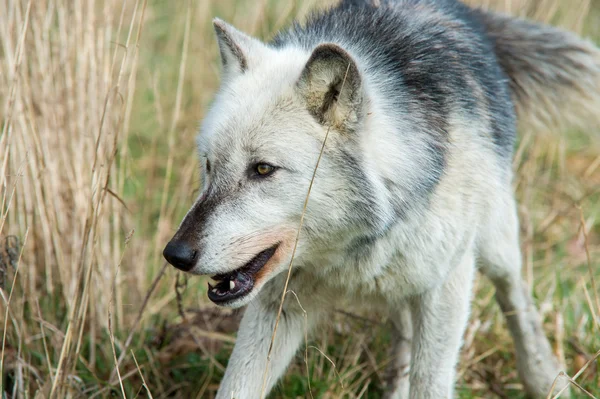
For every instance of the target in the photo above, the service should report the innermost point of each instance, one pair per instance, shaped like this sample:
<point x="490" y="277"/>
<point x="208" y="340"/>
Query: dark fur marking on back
<point x="364" y="209"/>
<point x="425" y="60"/>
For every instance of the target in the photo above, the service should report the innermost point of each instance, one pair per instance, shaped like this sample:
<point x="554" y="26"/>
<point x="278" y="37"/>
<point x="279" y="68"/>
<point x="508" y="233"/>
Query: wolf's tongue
<point x="242" y="278"/>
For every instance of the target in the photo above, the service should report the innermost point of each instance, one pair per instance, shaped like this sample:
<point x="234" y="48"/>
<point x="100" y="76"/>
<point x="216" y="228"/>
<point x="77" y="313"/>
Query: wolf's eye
<point x="264" y="169"/>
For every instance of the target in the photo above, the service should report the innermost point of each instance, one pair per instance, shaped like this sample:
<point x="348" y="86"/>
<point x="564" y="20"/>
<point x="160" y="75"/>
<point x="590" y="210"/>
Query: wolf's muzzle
<point x="180" y="255"/>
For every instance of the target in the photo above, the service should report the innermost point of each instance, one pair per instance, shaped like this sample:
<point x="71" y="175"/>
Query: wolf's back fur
<point x="402" y="45"/>
<point x="554" y="75"/>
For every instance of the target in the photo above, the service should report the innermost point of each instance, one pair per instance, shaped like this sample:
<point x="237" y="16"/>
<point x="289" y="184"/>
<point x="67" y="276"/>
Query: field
<point x="100" y="106"/>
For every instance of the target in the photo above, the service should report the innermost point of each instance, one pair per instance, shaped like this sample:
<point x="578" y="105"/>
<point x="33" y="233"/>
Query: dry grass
<point x="100" y="102"/>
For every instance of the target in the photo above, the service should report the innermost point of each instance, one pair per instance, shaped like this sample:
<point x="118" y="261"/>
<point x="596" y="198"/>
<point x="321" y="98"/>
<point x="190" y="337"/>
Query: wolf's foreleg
<point x="398" y="371"/>
<point x="245" y="371"/>
<point x="439" y="318"/>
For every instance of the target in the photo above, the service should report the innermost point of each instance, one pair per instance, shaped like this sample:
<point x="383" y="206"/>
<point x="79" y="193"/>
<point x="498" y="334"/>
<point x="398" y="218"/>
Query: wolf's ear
<point x="332" y="87"/>
<point x="234" y="46"/>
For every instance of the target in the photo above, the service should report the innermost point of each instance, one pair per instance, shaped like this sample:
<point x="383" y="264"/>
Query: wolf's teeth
<point x="214" y="290"/>
<point x="231" y="285"/>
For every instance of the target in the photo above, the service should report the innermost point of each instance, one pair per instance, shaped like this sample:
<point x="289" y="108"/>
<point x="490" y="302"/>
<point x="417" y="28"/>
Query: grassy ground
<point x="100" y="107"/>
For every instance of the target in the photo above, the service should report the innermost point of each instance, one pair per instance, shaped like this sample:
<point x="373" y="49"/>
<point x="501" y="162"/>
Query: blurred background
<point x="101" y="101"/>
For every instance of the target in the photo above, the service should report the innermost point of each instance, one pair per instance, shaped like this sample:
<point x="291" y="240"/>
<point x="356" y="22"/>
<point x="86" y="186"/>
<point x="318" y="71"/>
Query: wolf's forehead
<point x="242" y="123"/>
<point x="255" y="104"/>
<point x="241" y="111"/>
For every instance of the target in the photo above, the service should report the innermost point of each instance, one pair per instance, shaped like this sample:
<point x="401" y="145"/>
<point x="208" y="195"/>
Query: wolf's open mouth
<point x="238" y="283"/>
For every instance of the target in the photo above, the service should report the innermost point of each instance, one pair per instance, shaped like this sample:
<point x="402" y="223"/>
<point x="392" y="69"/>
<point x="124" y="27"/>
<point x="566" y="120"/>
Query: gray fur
<point x="418" y="99"/>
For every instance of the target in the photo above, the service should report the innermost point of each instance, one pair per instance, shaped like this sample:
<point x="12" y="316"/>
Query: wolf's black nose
<point x="180" y="255"/>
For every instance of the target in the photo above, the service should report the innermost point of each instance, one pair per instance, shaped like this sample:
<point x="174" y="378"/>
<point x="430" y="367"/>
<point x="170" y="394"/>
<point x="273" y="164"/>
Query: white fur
<point x="420" y="272"/>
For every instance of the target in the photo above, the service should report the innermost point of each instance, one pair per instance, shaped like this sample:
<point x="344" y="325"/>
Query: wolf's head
<point x="259" y="145"/>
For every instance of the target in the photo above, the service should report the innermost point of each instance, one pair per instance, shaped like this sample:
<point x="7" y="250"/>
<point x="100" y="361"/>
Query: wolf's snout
<point x="181" y="255"/>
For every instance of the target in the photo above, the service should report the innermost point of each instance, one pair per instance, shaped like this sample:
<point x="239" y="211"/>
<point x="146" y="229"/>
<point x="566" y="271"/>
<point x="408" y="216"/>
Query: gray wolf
<point x="420" y="101"/>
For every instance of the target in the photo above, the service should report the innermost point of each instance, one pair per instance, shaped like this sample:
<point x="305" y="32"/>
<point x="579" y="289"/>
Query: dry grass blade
<point x="339" y="377"/>
<point x="589" y="263"/>
<point x="573" y="379"/>
<point x="300" y="224"/>
<point x="44" y="341"/>
<point x="137" y="366"/>
<point x="8" y="109"/>
<point x="140" y="314"/>
<point x="7" y="314"/>
<point x="305" y="341"/>
<point x="110" y="305"/>
<point x="112" y="343"/>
